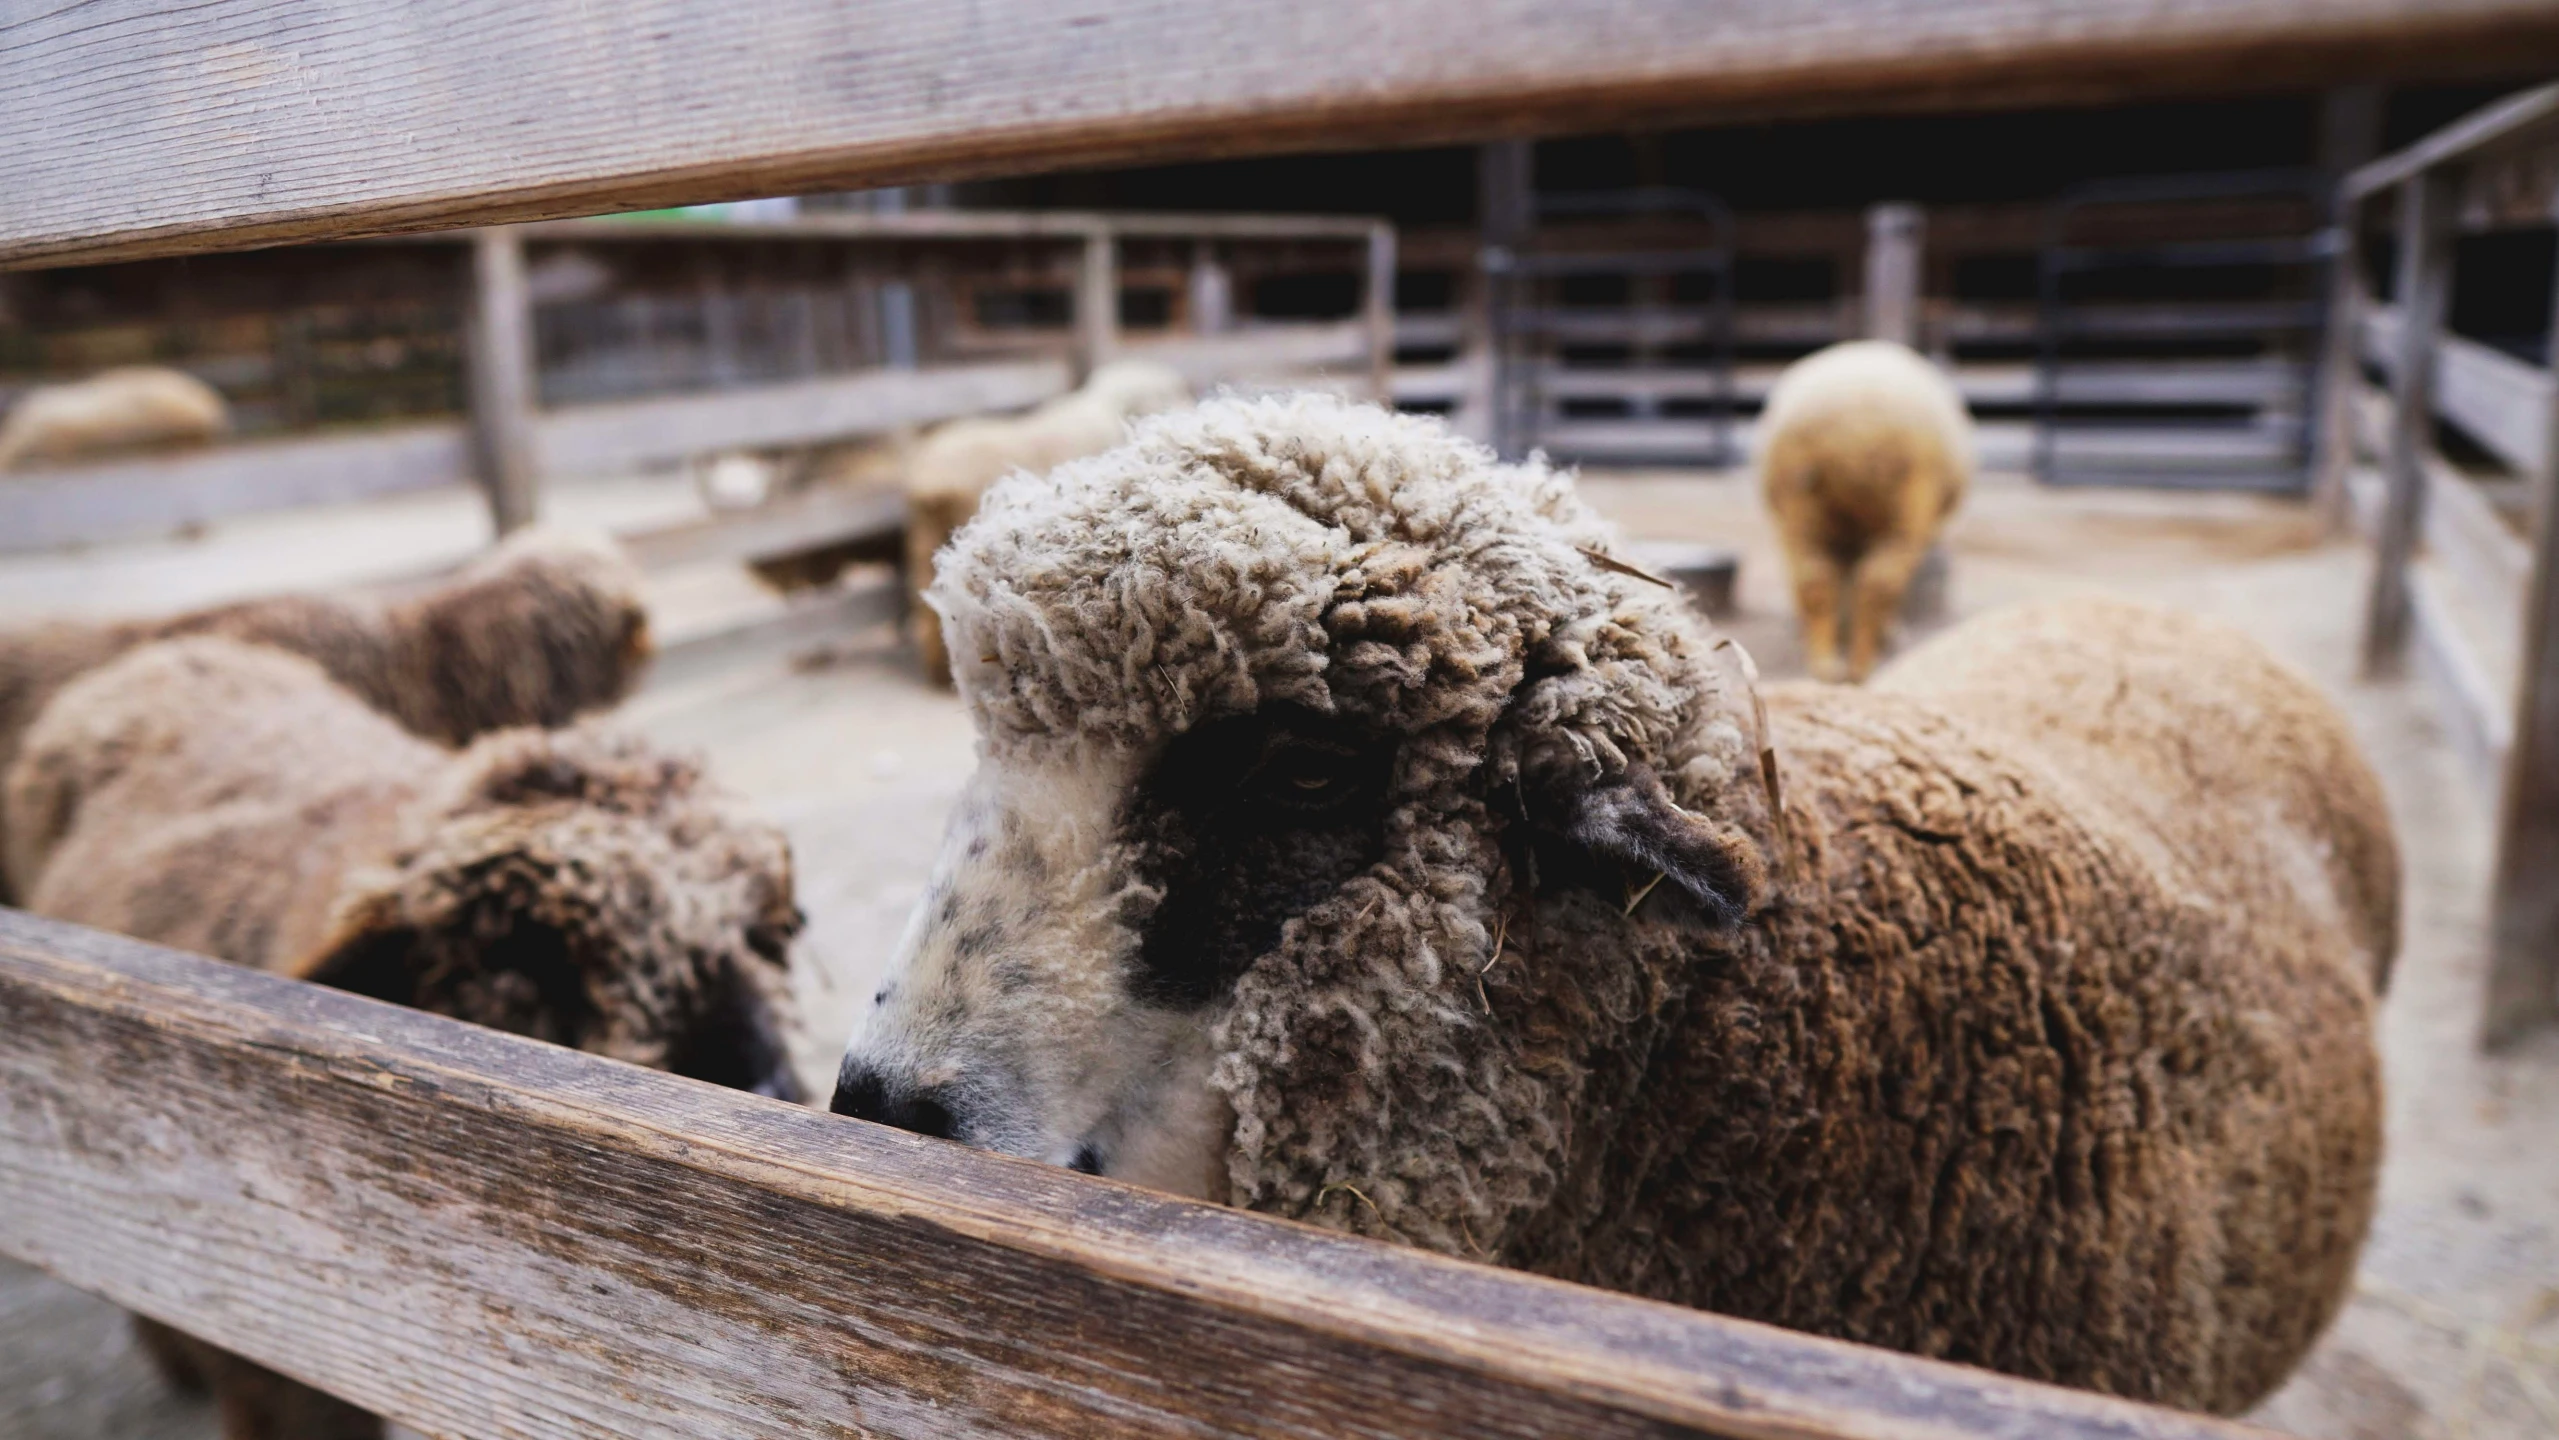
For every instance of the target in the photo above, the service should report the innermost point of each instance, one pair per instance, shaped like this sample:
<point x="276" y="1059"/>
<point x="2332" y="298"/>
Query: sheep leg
<point x="1819" y="578"/>
<point x="1882" y="576"/>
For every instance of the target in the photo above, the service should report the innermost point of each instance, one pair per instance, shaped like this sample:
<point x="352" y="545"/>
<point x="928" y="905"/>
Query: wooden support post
<point x="1380" y="313"/>
<point x="1894" y="234"/>
<point x="2349" y="136"/>
<point x="1506" y="206"/>
<point x="2424" y="286"/>
<point x="1097" y="301"/>
<point x="502" y="394"/>
<point x="2523" y="918"/>
<point x="1212" y="291"/>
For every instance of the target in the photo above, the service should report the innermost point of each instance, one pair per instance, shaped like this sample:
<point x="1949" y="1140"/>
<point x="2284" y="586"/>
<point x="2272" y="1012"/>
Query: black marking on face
<point x="1244" y="823"/>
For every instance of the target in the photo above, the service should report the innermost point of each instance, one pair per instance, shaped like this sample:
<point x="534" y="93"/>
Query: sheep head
<point x="547" y="627"/>
<point x="1292" y="712"/>
<point x="582" y="888"/>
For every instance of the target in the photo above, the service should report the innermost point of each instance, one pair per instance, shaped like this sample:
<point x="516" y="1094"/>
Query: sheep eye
<point x="1301" y="775"/>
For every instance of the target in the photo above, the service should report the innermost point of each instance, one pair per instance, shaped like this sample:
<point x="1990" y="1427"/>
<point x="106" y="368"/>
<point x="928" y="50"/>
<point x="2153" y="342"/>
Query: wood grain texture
<point x="2523" y="914"/>
<point x="614" y="435"/>
<point x="484" y="1236"/>
<point x="501" y="372"/>
<point x="2502" y="403"/>
<point x="815" y="520"/>
<point x="2424" y="284"/>
<point x="2520" y="117"/>
<point x="124" y="500"/>
<point x="139" y="128"/>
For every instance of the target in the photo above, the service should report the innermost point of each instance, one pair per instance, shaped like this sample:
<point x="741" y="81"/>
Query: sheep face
<point x="1291" y="712"/>
<point x="576" y="887"/>
<point x="1057" y="991"/>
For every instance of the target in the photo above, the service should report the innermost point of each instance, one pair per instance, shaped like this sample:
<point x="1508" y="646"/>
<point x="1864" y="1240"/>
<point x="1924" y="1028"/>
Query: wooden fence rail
<point x="482" y="1235"/>
<point x="235" y="123"/>
<point x="2505" y="703"/>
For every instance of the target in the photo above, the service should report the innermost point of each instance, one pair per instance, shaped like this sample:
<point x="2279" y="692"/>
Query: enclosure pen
<point x="480" y="1235"/>
<point x="2499" y="674"/>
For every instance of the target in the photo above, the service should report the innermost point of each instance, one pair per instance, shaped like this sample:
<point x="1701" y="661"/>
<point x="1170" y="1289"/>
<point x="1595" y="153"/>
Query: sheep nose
<point x="862" y="1093"/>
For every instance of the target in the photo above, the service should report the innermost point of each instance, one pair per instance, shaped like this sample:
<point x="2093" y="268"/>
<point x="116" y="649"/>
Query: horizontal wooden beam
<point x="927" y="225"/>
<point x="1262" y="352"/>
<point x="93" y="504"/>
<point x="138" y="129"/>
<point x="819" y="519"/>
<point x="615" y="435"/>
<point x="2497" y="400"/>
<point x="2525" y="114"/>
<point x="139" y="499"/>
<point x="477" y="1234"/>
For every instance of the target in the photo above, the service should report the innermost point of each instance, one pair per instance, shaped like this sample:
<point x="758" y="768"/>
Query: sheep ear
<point x="1624" y="831"/>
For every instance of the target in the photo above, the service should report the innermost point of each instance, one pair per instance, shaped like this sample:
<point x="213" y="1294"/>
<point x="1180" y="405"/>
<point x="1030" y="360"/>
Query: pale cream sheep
<point x="1864" y="450"/>
<point x="953" y="466"/>
<point x="139" y="407"/>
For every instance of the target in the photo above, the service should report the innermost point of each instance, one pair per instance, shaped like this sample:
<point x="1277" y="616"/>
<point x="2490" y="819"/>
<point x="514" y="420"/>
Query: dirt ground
<point x="2454" y="1331"/>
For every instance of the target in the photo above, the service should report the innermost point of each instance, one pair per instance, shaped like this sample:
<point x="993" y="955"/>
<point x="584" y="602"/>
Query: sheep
<point x="1356" y="840"/>
<point x="572" y="885"/>
<point x="1864" y="450"/>
<point x="952" y="467"/>
<point x="546" y="627"/>
<point x="137" y="407"/>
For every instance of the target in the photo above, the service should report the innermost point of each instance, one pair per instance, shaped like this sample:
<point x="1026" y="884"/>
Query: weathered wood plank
<point x="2498" y="400"/>
<point x="2519" y="116"/>
<point x="2424" y="287"/>
<point x="1262" y="351"/>
<point x="125" y="500"/>
<point x="481" y="1235"/>
<point x="602" y="438"/>
<point x="501" y="374"/>
<point x="1894" y="236"/>
<point x="2523" y="919"/>
<point x="141" y="129"/>
<point x="819" y="519"/>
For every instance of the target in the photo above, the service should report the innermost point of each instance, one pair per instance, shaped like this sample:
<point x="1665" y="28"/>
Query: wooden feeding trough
<point x="480" y="1235"/>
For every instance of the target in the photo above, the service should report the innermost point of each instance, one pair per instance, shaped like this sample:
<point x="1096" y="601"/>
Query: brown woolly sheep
<point x="131" y="408"/>
<point x="571" y="885"/>
<point x="542" y="629"/>
<point x="1864" y="450"/>
<point x="1355" y="841"/>
<point x="952" y="466"/>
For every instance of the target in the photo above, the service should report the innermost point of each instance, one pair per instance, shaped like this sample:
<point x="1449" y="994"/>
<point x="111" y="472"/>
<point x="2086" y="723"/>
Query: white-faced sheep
<point x="139" y="407"/>
<point x="1353" y="841"/>
<point x="544" y="628"/>
<point x="952" y="467"/>
<point x="1864" y="450"/>
<point x="572" y="885"/>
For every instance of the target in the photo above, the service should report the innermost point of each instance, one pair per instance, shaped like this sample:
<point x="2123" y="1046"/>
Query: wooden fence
<point x="485" y="1236"/>
<point x="2466" y="562"/>
<point x="511" y="441"/>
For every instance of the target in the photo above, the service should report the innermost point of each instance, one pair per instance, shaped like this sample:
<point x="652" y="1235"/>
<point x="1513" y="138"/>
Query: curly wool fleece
<point x="2039" y="1060"/>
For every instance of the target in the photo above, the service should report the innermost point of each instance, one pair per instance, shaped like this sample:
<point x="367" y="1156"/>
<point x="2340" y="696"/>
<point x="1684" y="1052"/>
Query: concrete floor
<point x="2455" y="1330"/>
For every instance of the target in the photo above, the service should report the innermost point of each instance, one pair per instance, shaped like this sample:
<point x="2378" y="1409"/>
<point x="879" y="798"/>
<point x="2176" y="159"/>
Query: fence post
<point x="1212" y="291"/>
<point x="2523" y="918"/>
<point x="1894" y="234"/>
<point x="501" y="364"/>
<point x="1380" y="306"/>
<point x="2349" y="135"/>
<point x="1506" y="208"/>
<point x="1097" y="301"/>
<point x="2424" y="286"/>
